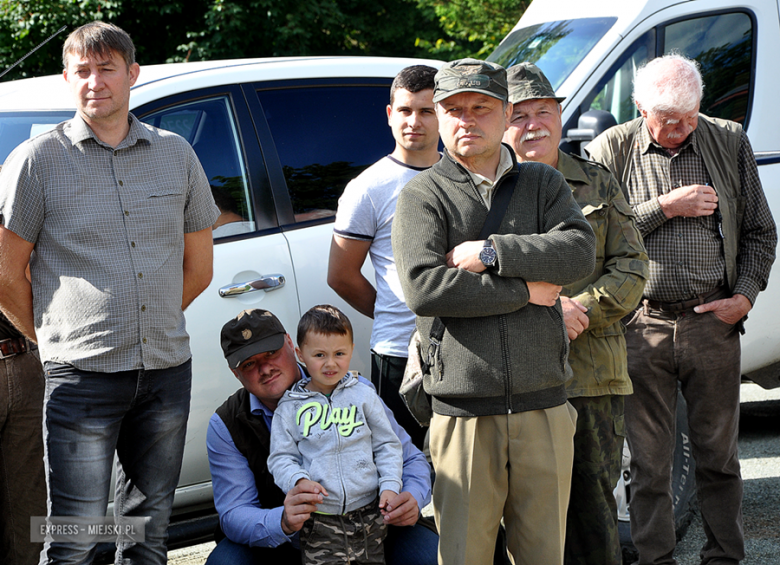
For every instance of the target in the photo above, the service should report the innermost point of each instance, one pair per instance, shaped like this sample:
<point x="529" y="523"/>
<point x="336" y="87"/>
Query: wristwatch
<point x="488" y="254"/>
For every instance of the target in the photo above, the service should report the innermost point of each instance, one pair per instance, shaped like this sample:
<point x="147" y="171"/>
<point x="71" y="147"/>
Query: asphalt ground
<point x="759" y="453"/>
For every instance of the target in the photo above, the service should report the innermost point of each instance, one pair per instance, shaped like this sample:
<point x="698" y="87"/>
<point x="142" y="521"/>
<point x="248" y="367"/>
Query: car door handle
<point x="266" y="283"/>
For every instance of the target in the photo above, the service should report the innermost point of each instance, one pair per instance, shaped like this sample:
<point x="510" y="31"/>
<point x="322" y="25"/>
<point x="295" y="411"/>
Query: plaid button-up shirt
<point x="108" y="226"/>
<point x="686" y="254"/>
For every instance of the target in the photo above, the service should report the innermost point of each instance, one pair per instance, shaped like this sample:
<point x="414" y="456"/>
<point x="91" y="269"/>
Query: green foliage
<point x="26" y="23"/>
<point x="179" y="30"/>
<point x="473" y="28"/>
<point x="261" y="28"/>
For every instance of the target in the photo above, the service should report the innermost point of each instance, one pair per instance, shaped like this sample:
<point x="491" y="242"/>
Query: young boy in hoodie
<point x="330" y="433"/>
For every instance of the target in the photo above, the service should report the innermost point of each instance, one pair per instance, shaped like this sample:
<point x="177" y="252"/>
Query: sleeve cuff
<point x="276" y="535"/>
<point x="747" y="288"/>
<point x="649" y="215"/>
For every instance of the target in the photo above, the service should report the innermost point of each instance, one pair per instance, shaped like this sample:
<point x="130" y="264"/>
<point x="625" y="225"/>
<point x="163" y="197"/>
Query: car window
<point x="721" y="43"/>
<point x="16" y="127"/>
<point x="210" y="127"/>
<point x="325" y="136"/>
<point x="555" y="47"/>
<point x="615" y="92"/>
<point x="723" y="46"/>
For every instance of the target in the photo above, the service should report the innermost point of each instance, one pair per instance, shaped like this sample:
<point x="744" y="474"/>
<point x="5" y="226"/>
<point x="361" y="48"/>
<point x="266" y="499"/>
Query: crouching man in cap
<point x="501" y="433"/>
<point x="592" y="310"/>
<point x="260" y="523"/>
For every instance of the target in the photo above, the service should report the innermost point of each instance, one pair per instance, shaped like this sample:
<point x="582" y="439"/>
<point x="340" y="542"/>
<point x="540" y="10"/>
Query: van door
<point x="252" y="263"/>
<point x="325" y="132"/>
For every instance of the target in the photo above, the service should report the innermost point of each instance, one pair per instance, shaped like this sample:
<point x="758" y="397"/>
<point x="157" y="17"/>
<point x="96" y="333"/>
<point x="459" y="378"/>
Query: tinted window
<point x="16" y="127"/>
<point x="721" y="43"/>
<point x="325" y="136"/>
<point x="210" y="128"/>
<point x="555" y="47"/>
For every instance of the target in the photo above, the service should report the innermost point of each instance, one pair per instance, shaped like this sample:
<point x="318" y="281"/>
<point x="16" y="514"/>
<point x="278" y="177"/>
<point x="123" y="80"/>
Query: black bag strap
<point x="501" y="198"/>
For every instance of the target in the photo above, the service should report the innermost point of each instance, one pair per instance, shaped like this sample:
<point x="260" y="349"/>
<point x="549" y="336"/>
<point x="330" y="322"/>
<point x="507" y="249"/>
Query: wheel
<point x="683" y="485"/>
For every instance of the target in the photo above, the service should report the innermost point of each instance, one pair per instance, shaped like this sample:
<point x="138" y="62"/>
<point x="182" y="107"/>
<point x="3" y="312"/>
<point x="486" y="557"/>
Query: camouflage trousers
<point x="591" y="522"/>
<point x="354" y="537"/>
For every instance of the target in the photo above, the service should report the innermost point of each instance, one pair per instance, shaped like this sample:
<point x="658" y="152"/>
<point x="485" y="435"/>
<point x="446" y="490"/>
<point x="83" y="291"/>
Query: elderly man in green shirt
<point x="592" y="308"/>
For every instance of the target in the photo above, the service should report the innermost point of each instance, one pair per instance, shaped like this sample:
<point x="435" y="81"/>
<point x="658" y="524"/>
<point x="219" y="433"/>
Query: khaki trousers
<point x="515" y="466"/>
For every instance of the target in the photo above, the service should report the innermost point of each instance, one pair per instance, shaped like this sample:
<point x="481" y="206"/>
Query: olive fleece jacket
<point x="500" y="354"/>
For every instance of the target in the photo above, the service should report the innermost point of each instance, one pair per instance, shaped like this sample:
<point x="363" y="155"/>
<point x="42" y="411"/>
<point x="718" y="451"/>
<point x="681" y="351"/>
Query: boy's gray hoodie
<point x="344" y="442"/>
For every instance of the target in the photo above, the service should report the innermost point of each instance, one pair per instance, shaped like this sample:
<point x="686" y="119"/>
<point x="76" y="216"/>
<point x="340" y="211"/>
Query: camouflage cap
<point x="527" y="82"/>
<point x="470" y="75"/>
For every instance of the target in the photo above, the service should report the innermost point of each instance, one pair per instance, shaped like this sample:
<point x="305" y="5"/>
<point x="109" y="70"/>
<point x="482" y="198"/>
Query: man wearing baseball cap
<point x="592" y="310"/>
<point x="259" y="522"/>
<point x="501" y="433"/>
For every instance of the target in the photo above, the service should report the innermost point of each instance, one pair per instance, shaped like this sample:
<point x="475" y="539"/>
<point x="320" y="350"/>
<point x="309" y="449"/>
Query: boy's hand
<point x="307" y="485"/>
<point x="399" y="509"/>
<point x="384" y="502"/>
<point x="299" y="503"/>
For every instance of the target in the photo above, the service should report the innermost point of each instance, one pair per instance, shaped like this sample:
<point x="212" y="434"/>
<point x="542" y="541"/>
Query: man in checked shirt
<point x="693" y="184"/>
<point x="114" y="218"/>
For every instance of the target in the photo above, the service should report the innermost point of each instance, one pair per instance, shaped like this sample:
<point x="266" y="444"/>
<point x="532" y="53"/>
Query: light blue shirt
<point x="241" y="517"/>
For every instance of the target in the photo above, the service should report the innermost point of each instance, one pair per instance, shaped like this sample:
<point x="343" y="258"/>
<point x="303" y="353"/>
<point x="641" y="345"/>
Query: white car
<point x="278" y="139"/>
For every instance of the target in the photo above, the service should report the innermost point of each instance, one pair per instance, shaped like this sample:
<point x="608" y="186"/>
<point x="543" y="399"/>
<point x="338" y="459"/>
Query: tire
<point x="683" y="485"/>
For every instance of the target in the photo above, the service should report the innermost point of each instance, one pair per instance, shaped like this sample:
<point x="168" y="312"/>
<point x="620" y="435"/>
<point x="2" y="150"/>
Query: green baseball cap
<point x="470" y="75"/>
<point x="527" y="82"/>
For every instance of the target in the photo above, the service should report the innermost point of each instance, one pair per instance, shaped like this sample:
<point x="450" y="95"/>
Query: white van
<point x="590" y="50"/>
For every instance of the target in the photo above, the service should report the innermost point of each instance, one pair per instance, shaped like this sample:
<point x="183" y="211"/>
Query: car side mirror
<point x="590" y="125"/>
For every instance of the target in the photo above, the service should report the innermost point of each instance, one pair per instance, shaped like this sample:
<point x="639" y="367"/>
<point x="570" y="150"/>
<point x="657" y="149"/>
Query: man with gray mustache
<point x="693" y="184"/>
<point x="592" y="309"/>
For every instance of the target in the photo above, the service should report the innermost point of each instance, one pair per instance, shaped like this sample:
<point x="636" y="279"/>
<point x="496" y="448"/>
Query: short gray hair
<point x="671" y="83"/>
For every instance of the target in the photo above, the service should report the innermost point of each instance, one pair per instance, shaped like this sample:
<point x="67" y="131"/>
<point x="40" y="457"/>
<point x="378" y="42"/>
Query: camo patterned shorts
<point x="354" y="537"/>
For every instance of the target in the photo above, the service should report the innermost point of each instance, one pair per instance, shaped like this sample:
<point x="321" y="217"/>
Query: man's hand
<point x="400" y="509"/>
<point x="689" y="201"/>
<point x="728" y="310"/>
<point x="543" y="293"/>
<point x="574" y="316"/>
<point x="466" y="256"/>
<point x="299" y="503"/>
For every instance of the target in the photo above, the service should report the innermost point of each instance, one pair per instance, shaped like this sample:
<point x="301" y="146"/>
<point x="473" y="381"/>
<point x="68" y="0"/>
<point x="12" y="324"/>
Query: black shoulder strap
<point x="501" y="198"/>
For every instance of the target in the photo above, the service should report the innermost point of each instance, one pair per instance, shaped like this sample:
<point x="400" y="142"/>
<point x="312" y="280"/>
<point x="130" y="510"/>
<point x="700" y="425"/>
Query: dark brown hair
<point x="324" y="319"/>
<point x="99" y="39"/>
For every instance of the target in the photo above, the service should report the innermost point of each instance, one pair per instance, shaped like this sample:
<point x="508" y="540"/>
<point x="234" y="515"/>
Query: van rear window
<point x="555" y="47"/>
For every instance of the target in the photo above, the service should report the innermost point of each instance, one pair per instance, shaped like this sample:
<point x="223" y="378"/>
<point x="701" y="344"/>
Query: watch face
<point x="487" y="256"/>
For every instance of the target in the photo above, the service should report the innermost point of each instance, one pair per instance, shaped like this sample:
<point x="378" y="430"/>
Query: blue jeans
<point x="409" y="545"/>
<point x="142" y="416"/>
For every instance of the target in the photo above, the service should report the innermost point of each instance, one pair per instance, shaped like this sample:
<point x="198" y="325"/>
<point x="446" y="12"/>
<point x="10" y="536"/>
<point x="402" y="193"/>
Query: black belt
<point x="685" y="304"/>
<point x="15" y="346"/>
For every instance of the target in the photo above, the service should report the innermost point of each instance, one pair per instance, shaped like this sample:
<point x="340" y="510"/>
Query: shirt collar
<point x="645" y="141"/>
<point x="570" y="170"/>
<point x="79" y="132"/>
<point x="484" y="184"/>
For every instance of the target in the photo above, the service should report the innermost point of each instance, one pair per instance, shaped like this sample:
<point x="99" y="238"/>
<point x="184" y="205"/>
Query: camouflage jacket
<point x="598" y="355"/>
